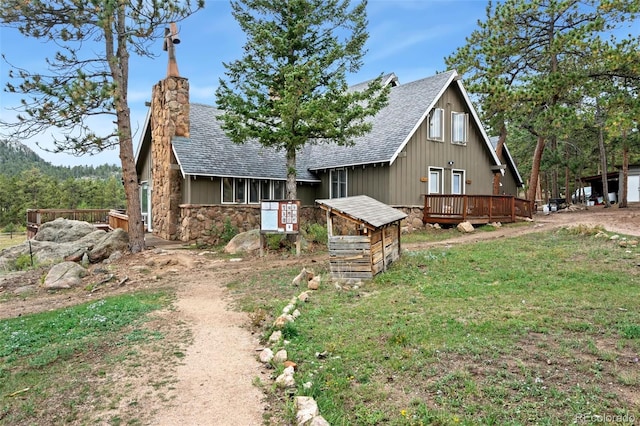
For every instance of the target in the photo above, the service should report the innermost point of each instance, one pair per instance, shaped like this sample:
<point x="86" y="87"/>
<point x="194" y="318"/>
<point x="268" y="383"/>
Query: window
<point x="227" y="190"/>
<point x="457" y="181"/>
<point x="279" y="189"/>
<point x="338" y="183"/>
<point x="240" y="188"/>
<point x="265" y="190"/>
<point x="254" y="191"/>
<point x="459" y="125"/>
<point x="243" y="191"/>
<point x="435" y="181"/>
<point x="436" y="124"/>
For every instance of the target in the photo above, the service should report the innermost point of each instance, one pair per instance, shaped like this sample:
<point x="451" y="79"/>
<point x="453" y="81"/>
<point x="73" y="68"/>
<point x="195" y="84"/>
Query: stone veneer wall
<point x="169" y="118"/>
<point x="202" y="223"/>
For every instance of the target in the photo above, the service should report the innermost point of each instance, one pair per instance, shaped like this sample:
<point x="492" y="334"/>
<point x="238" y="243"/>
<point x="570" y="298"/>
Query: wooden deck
<point x="476" y="209"/>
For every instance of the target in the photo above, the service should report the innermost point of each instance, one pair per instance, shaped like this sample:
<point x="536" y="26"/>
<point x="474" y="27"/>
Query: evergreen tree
<point x="289" y="88"/>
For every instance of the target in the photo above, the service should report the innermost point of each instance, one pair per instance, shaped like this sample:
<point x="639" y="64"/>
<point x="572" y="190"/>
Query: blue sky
<point x="408" y="37"/>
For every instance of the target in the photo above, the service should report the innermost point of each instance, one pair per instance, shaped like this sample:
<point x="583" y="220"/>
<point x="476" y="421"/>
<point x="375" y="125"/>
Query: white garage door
<point x="633" y="189"/>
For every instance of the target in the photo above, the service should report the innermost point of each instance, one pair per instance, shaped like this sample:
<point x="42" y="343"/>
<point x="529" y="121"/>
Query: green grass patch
<point x="539" y="329"/>
<point x="50" y="362"/>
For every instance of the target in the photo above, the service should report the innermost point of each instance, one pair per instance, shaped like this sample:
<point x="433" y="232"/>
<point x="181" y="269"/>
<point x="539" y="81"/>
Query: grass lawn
<point x="58" y="367"/>
<point x="7" y="240"/>
<point x="539" y="329"/>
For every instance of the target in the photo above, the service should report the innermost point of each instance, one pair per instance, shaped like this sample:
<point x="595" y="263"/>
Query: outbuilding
<point x="375" y="242"/>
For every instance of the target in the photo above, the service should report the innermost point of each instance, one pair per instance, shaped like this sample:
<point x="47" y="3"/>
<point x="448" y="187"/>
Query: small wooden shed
<point x="376" y="243"/>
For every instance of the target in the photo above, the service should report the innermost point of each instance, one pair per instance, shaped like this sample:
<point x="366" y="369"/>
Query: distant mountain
<point x="15" y="158"/>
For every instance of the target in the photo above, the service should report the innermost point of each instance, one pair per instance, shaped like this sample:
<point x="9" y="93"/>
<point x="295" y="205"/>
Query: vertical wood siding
<point x="421" y="153"/>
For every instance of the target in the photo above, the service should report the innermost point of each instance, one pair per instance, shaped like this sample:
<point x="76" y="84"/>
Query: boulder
<point x="109" y="243"/>
<point x="64" y="275"/>
<point x="465" y="227"/>
<point x="244" y="242"/>
<point x="63" y="230"/>
<point x="266" y="355"/>
<point x="306" y="409"/>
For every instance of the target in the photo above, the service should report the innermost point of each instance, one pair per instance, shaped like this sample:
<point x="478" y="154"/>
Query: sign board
<point x="280" y="216"/>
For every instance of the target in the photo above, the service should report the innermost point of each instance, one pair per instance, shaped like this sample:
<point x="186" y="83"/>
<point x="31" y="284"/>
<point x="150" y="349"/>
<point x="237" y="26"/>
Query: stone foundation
<point x="204" y="223"/>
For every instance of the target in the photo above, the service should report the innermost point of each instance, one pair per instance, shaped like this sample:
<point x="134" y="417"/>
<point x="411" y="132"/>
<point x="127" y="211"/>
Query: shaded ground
<point x="215" y="382"/>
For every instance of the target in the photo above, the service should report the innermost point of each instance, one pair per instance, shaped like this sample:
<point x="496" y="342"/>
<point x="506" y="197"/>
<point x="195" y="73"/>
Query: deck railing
<point x="477" y="209"/>
<point x="101" y="218"/>
<point x="119" y="219"/>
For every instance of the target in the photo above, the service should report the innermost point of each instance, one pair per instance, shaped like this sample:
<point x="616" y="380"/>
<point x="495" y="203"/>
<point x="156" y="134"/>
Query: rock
<point x="319" y="421"/>
<point x="280" y="356"/>
<point x="303" y="297"/>
<point x="275" y="336"/>
<point x="282" y="320"/>
<point x="306" y="409"/>
<point x="303" y="277"/>
<point x="633" y="243"/>
<point x="614" y="237"/>
<point x="286" y="380"/>
<point x="110" y="242"/>
<point x="63" y="230"/>
<point x="290" y="364"/>
<point x="496" y="224"/>
<point x="295" y="314"/>
<point x="64" y="275"/>
<point x="24" y="289"/>
<point x="244" y="242"/>
<point x="465" y="227"/>
<point x="266" y="355"/>
<point x="314" y="283"/>
<point x="287" y="309"/>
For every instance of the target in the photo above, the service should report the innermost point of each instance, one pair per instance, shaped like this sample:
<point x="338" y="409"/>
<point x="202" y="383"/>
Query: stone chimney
<point x="169" y="118"/>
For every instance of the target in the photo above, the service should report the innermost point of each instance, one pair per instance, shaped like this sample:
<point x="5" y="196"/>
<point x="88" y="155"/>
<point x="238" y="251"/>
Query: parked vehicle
<point x="579" y="197"/>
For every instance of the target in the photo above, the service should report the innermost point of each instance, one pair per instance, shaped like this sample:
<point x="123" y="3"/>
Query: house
<point x="427" y="140"/>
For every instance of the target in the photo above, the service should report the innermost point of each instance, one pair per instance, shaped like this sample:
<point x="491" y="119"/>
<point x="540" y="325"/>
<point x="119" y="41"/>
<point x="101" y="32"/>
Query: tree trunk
<point x="625" y="172"/>
<point x="292" y="192"/>
<point x="131" y="189"/>
<point x="603" y="163"/>
<point x="535" y="169"/>
<point x="497" y="177"/>
<point x="119" y="67"/>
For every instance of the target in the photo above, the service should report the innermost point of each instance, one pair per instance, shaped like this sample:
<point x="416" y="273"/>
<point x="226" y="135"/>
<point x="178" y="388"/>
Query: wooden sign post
<point x="280" y="217"/>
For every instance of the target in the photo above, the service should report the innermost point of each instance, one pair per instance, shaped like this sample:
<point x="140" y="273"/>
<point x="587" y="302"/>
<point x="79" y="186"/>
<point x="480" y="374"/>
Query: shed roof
<point x="363" y="209"/>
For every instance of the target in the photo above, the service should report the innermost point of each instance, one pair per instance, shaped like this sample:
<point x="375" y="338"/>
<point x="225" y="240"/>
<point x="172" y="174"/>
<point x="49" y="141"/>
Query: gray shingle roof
<point x="209" y="152"/>
<point x="365" y="209"/>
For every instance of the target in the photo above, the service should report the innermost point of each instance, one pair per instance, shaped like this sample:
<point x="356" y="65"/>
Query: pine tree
<point x="289" y="88"/>
<point x="89" y="75"/>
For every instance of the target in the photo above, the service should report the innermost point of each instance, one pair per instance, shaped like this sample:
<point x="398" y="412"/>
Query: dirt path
<point x="214" y="384"/>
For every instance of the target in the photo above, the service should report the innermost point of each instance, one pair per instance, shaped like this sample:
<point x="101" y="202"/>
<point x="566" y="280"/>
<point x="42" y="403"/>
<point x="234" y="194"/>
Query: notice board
<point x="280" y="216"/>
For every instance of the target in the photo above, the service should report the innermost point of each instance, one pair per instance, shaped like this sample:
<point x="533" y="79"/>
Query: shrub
<point x="316" y="233"/>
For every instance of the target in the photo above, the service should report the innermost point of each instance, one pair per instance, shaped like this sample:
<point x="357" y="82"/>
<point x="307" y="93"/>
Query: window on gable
<point x="436" y="124"/>
<point x="338" y="183"/>
<point x="459" y="126"/>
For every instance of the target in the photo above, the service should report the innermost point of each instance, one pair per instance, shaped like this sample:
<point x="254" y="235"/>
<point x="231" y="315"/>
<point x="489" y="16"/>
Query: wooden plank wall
<point x="350" y="257"/>
<point x="362" y="256"/>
